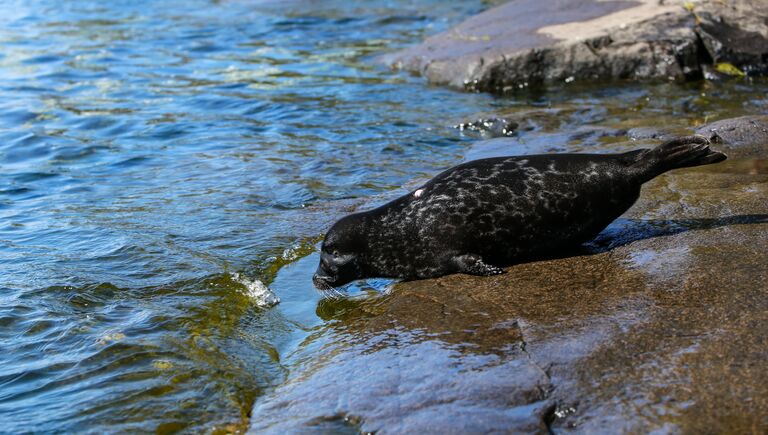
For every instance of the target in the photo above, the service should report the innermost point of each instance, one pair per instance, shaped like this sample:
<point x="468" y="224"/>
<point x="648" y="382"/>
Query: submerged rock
<point x="745" y="136"/>
<point x="644" y="133"/>
<point x="489" y="127"/>
<point x="578" y="140"/>
<point x="528" y="42"/>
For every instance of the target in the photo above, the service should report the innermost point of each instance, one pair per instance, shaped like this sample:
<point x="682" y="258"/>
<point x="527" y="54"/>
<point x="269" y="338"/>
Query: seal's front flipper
<point x="472" y="264"/>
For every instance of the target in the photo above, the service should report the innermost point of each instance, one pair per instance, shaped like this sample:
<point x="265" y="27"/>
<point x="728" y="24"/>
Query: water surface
<point x="152" y="152"/>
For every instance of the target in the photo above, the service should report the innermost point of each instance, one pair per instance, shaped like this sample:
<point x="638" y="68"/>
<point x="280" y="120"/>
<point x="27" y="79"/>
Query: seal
<point x="480" y="216"/>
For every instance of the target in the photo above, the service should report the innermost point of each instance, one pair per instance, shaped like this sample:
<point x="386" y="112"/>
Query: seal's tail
<point x="682" y="152"/>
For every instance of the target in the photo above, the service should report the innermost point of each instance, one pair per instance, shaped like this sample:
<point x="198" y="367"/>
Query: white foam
<point x="257" y="291"/>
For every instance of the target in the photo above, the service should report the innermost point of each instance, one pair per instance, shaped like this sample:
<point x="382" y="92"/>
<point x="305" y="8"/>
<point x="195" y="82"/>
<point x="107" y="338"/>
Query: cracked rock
<point x="533" y="42"/>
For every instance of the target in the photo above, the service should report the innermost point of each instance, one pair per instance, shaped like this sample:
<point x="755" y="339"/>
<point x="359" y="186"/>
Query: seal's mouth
<point x="326" y="285"/>
<point x="322" y="282"/>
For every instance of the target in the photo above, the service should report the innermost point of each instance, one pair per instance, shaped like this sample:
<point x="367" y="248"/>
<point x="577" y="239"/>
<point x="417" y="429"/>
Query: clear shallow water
<point x="151" y="151"/>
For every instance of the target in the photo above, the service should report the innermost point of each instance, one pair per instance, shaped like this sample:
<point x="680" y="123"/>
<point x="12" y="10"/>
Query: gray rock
<point x="526" y="42"/>
<point x="743" y="136"/>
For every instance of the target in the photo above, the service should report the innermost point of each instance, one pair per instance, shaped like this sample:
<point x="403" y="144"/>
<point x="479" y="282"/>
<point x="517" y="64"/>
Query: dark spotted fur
<point x="483" y="214"/>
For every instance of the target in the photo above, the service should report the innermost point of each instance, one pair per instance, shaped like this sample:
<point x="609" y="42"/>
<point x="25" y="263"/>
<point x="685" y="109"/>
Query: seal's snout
<point x="321" y="280"/>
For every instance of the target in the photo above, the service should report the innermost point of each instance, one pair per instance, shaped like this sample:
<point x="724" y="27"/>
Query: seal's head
<point x="341" y="256"/>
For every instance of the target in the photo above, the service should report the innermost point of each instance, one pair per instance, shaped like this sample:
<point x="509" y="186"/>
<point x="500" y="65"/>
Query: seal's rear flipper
<point x="682" y="152"/>
<point x="472" y="264"/>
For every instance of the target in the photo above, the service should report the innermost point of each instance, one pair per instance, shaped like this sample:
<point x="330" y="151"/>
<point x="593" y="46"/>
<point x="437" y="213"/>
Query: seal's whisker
<point x="331" y="293"/>
<point x="328" y="291"/>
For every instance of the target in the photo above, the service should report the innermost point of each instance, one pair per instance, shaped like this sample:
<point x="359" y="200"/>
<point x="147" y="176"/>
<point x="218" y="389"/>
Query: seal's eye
<point x="335" y="253"/>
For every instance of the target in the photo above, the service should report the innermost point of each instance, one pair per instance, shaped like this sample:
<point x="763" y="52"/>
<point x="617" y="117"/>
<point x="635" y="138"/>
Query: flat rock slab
<point x="659" y="325"/>
<point x="527" y="42"/>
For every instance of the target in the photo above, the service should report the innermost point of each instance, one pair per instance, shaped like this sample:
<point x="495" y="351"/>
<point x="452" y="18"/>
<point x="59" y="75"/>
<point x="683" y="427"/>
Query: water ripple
<point x="150" y="152"/>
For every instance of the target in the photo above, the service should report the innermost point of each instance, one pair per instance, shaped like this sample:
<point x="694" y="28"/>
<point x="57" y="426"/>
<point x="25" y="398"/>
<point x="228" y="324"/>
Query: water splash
<point x="257" y="291"/>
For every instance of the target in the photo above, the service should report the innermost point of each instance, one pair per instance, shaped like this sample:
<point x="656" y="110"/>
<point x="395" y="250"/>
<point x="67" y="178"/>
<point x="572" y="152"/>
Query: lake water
<point x="157" y="158"/>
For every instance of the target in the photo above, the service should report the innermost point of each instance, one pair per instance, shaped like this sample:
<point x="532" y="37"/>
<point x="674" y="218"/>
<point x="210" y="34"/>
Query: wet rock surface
<point x="529" y="42"/>
<point x="743" y="136"/>
<point x="659" y="324"/>
<point x="489" y="127"/>
<point x="643" y="133"/>
<point x="541" y="143"/>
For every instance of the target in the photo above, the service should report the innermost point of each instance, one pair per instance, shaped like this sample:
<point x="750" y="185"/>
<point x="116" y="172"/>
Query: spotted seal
<point x="481" y="215"/>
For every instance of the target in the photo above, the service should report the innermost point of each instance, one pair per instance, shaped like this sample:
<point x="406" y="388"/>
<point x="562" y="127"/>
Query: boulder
<point x="529" y="42"/>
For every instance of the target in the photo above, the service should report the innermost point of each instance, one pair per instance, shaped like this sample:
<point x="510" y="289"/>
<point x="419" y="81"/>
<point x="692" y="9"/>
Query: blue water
<point x="151" y="151"/>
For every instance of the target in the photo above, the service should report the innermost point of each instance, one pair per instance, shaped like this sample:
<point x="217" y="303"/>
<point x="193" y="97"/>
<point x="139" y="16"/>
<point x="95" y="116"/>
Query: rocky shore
<point x="660" y="324"/>
<point x="525" y="43"/>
